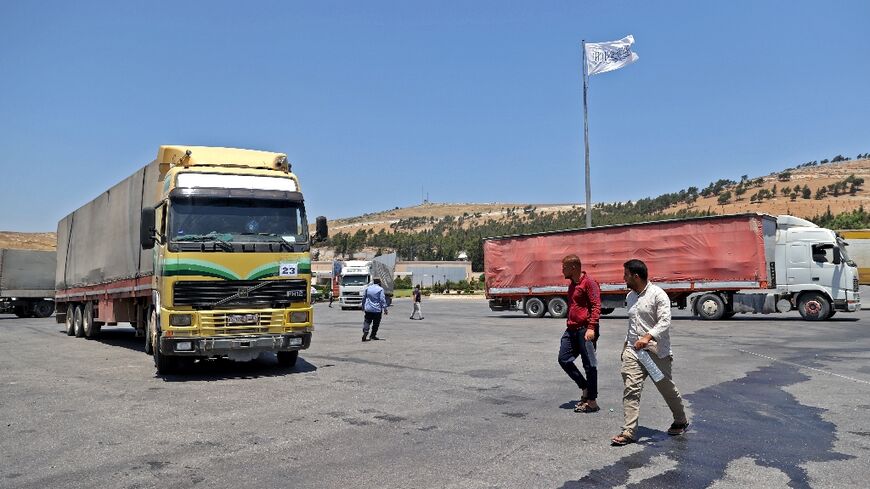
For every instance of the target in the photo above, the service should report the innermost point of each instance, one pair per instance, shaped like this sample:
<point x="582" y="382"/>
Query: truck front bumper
<point x="352" y="301"/>
<point x="224" y="346"/>
<point x="851" y="304"/>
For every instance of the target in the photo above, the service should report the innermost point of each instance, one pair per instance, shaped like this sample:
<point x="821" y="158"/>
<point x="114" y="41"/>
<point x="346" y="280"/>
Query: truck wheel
<point x="710" y="307"/>
<point x="165" y="364"/>
<point x="21" y="311"/>
<point x="77" y="322"/>
<point x="557" y="307"/>
<point x="70" y="319"/>
<point x="151" y="333"/>
<point x="813" y="306"/>
<point x="43" y="309"/>
<point x="606" y="310"/>
<point x="831" y="314"/>
<point x="149" y="350"/>
<point x="287" y="359"/>
<point x="91" y="330"/>
<point x="535" y="307"/>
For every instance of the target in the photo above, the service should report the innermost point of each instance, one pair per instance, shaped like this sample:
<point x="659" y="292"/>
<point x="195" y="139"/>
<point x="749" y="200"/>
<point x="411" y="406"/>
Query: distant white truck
<point x="356" y="275"/>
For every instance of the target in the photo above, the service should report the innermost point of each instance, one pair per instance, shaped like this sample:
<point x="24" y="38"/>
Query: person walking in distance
<point x="647" y="352"/>
<point x="331" y="296"/>
<point x="374" y="305"/>
<point x="418" y="298"/>
<point x="581" y="334"/>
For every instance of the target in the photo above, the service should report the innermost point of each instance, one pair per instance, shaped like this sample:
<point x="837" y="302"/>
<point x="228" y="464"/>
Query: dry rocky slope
<point x="813" y="177"/>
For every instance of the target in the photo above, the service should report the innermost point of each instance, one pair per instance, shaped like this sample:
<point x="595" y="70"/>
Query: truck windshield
<point x="355" y="280"/>
<point x="238" y="220"/>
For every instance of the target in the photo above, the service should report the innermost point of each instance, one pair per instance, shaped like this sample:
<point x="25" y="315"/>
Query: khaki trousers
<point x="633" y="376"/>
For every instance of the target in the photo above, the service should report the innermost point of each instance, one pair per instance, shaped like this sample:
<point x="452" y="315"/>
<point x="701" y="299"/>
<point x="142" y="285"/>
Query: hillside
<point x="424" y="217"/>
<point x="28" y="241"/>
<point x="427" y="217"/>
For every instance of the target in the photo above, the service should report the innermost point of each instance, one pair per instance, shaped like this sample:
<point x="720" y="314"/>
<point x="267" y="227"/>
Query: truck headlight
<point x="180" y="319"/>
<point x="299" y="317"/>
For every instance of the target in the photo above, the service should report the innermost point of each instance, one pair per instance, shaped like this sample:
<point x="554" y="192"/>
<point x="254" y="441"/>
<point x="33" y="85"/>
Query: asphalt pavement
<point x="466" y="398"/>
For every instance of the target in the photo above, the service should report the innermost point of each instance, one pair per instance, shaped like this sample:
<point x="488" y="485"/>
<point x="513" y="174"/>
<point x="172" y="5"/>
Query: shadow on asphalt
<point x="206" y="370"/>
<point x="123" y="337"/>
<point x="752" y="416"/>
<point x="570" y="404"/>
<point x="222" y="369"/>
<point x="738" y="318"/>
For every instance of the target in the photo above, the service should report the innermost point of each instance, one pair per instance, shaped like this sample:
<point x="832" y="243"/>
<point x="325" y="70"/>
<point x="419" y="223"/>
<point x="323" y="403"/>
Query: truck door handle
<point x="816" y="279"/>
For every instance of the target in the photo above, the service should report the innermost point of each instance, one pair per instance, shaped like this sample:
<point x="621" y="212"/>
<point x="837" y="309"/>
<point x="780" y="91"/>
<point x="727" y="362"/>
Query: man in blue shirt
<point x="374" y="304"/>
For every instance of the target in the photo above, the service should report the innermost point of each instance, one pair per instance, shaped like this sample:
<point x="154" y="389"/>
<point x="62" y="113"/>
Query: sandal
<point x="582" y="403"/>
<point x="678" y="428"/>
<point x="621" y="440"/>
<point x="586" y="408"/>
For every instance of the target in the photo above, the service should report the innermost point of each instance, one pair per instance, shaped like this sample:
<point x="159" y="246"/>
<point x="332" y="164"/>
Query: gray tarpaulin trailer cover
<point x="27" y="273"/>
<point x="99" y="242"/>
<point x="27" y="282"/>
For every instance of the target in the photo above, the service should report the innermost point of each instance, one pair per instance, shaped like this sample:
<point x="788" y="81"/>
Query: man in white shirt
<point x="648" y="337"/>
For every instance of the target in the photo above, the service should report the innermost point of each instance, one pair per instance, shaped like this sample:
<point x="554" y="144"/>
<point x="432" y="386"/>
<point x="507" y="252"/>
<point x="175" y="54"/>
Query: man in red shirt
<point x="581" y="334"/>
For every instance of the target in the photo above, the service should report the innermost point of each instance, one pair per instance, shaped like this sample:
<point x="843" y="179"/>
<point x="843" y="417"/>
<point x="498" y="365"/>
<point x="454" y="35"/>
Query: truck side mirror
<point x="322" y="229"/>
<point x="146" y="228"/>
<point x="837" y="257"/>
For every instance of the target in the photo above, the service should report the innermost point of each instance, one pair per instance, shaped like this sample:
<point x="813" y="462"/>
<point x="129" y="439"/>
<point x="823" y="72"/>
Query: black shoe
<point x="375" y="338"/>
<point x="412" y="317"/>
<point x="365" y="338"/>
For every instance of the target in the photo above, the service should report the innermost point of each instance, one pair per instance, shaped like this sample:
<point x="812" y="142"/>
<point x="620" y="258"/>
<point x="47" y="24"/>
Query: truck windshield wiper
<point x="279" y="239"/>
<point x="221" y="240"/>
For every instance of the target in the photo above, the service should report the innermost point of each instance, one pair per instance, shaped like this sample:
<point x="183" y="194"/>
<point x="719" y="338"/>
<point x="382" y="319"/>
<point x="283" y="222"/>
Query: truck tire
<point x="534" y="307"/>
<point x="814" y="306"/>
<point x="43" y="309"/>
<point x="710" y="307"/>
<point x="165" y="364"/>
<point x="557" y="307"/>
<point x="77" y="322"/>
<point x="21" y="311"/>
<point x="91" y="330"/>
<point x="606" y="310"/>
<point x="149" y="347"/>
<point x="70" y="319"/>
<point x="287" y="359"/>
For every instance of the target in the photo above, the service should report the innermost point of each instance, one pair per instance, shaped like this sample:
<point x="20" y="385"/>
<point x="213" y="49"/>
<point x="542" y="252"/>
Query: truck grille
<point x="216" y="324"/>
<point x="204" y="294"/>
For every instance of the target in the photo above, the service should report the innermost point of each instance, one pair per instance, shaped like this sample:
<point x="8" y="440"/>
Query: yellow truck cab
<point x="223" y="266"/>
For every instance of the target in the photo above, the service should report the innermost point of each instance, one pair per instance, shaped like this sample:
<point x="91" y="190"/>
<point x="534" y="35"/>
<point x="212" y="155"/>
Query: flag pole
<point x="586" y="142"/>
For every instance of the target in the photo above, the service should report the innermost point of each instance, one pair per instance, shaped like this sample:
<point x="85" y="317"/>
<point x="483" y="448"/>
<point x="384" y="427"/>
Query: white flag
<point x="602" y="57"/>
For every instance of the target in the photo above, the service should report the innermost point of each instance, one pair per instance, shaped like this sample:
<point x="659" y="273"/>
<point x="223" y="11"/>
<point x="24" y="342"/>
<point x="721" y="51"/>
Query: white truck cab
<point x="355" y="277"/>
<point x="813" y="268"/>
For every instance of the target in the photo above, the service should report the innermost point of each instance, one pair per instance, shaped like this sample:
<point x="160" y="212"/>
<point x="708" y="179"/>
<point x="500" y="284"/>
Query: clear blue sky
<point x="480" y="101"/>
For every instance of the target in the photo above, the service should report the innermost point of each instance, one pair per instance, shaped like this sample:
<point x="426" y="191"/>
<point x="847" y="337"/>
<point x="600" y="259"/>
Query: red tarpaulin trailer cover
<point x="726" y="249"/>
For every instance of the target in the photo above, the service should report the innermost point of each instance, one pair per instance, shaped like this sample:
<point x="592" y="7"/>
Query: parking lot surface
<point x="466" y="398"/>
